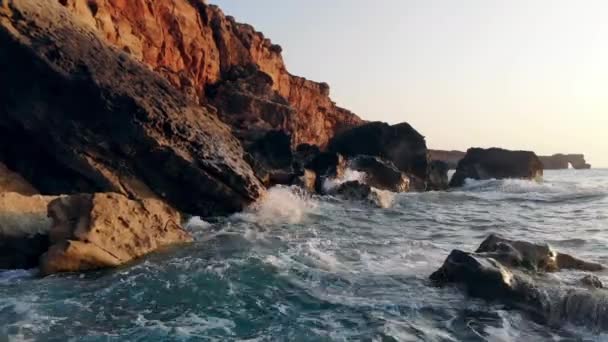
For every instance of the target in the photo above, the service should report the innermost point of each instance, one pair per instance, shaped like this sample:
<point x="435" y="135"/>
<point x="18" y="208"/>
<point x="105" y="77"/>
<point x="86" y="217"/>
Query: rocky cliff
<point x="79" y="116"/>
<point x="195" y="46"/>
<point x="563" y="161"/>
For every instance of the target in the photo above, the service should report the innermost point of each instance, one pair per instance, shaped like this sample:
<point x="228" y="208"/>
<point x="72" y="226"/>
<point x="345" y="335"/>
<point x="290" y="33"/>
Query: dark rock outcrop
<point x="450" y="157"/>
<point x="438" y="176"/>
<point x="195" y="46"/>
<point x="95" y="120"/>
<point x="400" y="144"/>
<point x="497" y="163"/>
<point x="495" y="275"/>
<point x="563" y="161"/>
<point x="353" y="191"/>
<point x="380" y="174"/>
<point x="327" y="165"/>
<point x="107" y="230"/>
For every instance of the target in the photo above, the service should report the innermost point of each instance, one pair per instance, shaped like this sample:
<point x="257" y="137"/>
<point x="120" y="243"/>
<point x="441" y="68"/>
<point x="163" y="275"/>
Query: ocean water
<point x="300" y="268"/>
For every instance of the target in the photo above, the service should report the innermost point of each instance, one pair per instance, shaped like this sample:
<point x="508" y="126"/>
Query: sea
<point x="297" y="267"/>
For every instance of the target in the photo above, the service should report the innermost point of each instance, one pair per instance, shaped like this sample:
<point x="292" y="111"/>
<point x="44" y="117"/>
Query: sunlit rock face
<point x="194" y="46"/>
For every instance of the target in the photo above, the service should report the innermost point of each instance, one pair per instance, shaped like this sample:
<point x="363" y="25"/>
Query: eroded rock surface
<point x="195" y="46"/>
<point x="107" y="230"/>
<point x="497" y="163"/>
<point x="563" y="161"/>
<point x="96" y="120"/>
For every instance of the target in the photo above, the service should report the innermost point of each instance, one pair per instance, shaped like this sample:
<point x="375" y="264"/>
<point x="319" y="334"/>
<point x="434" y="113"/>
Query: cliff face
<point x="562" y="161"/>
<point x="194" y="45"/>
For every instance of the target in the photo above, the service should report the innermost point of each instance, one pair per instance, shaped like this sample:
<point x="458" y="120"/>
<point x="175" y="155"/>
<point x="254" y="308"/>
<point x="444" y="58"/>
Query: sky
<point x="518" y="74"/>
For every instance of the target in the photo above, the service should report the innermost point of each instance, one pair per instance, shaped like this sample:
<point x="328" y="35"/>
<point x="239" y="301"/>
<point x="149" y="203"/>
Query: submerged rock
<point x="380" y="174"/>
<point x="107" y="230"/>
<point x="353" y="191"/>
<point x="93" y="119"/>
<point x="400" y="144"/>
<point x="497" y="163"/>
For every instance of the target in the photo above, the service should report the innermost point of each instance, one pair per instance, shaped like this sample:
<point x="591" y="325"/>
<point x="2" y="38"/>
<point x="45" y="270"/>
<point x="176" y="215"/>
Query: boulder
<point x="438" y="176"/>
<point x="497" y="163"/>
<point x="532" y="256"/>
<point x="353" y="191"/>
<point x="380" y="174"/>
<point x="506" y="271"/>
<point x="24" y="229"/>
<point x="90" y="118"/>
<point x="307" y="181"/>
<point x="400" y="144"/>
<point x="13" y="182"/>
<point x="103" y="230"/>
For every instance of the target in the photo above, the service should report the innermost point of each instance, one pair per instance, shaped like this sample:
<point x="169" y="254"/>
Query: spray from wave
<point x="280" y="205"/>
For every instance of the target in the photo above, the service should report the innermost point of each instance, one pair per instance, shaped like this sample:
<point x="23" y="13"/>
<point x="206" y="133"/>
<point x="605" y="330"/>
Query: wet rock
<point x="536" y="257"/>
<point x="353" y="191"/>
<point x="380" y="174"/>
<point x="307" y="181"/>
<point x="107" y="230"/>
<point x="400" y="144"/>
<point x="96" y="120"/>
<point x="438" y="176"/>
<point x="497" y="163"/>
<point x="327" y="165"/>
<point x="451" y="158"/>
<point x="592" y="282"/>
<point x="304" y="154"/>
<point x="24" y="229"/>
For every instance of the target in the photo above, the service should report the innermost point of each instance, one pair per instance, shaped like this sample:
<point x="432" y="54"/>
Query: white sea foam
<point x="196" y="223"/>
<point x="280" y="205"/>
<point x="382" y="198"/>
<point x="349" y="176"/>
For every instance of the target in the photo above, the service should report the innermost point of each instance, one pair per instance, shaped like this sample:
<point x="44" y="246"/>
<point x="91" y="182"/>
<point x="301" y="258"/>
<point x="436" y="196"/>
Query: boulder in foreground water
<point x="107" y="230"/>
<point x="381" y="174"/>
<point x="497" y="163"/>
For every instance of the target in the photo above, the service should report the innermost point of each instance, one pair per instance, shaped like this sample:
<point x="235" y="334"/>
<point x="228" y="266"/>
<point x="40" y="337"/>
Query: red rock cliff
<point x="194" y="45"/>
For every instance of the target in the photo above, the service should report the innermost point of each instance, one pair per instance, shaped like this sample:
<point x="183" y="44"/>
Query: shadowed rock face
<point x="95" y="120"/>
<point x="450" y="157"/>
<point x="381" y="174"/>
<point x="497" y="163"/>
<point x="194" y="46"/>
<point x="563" y="161"/>
<point x="400" y="144"/>
<point x="506" y="271"/>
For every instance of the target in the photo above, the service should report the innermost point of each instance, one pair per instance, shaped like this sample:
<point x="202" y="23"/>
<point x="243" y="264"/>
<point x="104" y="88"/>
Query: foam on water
<point x="308" y="268"/>
<point x="349" y="176"/>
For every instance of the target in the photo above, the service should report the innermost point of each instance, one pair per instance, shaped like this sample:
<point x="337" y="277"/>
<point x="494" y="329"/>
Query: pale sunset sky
<point x="519" y="74"/>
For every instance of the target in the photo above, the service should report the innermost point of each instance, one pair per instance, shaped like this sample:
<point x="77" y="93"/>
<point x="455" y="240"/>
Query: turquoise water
<point x="297" y="268"/>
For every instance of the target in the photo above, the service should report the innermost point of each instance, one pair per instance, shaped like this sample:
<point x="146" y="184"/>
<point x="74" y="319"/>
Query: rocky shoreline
<point x="118" y="119"/>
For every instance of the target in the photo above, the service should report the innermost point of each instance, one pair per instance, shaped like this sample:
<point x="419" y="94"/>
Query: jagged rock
<point x="536" y="257"/>
<point x="497" y="163"/>
<point x="273" y="151"/>
<point x="194" y="45"/>
<point x="307" y="181"/>
<point x="381" y="174"/>
<point x="13" y="182"/>
<point x="592" y="281"/>
<point x="327" y="165"/>
<point x="563" y="161"/>
<point x="438" y="176"/>
<point x="353" y="191"/>
<point x="401" y="144"/>
<point x="450" y="157"/>
<point x="483" y="276"/>
<point x="304" y="154"/>
<point x="24" y="229"/>
<point x="106" y="230"/>
<point x="95" y="120"/>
